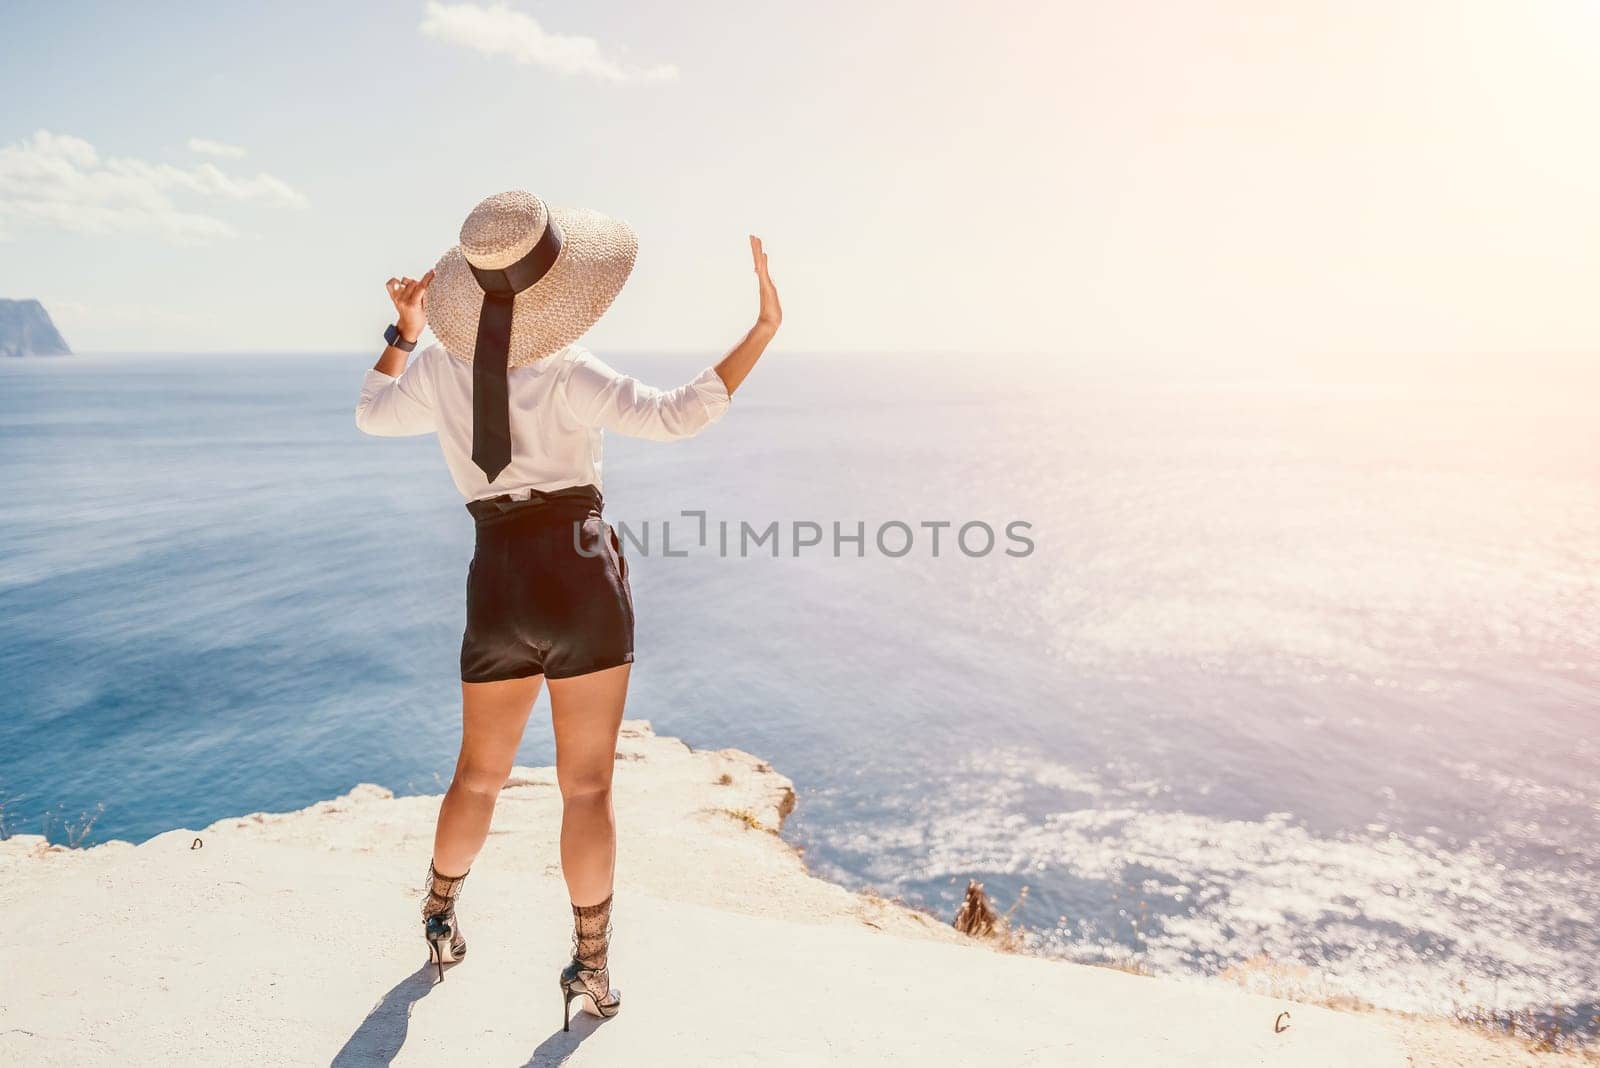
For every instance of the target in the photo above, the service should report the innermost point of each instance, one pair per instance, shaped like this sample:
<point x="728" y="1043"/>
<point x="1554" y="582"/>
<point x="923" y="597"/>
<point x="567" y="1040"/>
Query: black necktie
<point x="491" y="402"/>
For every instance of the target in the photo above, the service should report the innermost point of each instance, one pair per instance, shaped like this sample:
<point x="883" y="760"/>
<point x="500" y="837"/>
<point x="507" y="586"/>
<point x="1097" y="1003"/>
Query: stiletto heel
<point x="440" y="929"/>
<point x="588" y="974"/>
<point x="578" y="981"/>
<point x="438" y="935"/>
<point x="566" y="1008"/>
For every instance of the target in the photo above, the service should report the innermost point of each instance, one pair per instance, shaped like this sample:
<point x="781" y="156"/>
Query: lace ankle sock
<point x="592" y="934"/>
<point x="442" y="892"/>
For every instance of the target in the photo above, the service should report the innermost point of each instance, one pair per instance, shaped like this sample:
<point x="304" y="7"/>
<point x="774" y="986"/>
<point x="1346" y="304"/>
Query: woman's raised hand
<point x="409" y="304"/>
<point x="771" y="316"/>
<point x="733" y="367"/>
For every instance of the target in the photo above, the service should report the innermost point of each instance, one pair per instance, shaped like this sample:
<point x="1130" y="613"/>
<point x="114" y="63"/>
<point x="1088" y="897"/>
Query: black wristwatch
<point x="392" y="336"/>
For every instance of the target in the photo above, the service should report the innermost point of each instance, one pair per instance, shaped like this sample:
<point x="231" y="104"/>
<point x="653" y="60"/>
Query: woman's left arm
<point x="397" y="400"/>
<point x="411" y="315"/>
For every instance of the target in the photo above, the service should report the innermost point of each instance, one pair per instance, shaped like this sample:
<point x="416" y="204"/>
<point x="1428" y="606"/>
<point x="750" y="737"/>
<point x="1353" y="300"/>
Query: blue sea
<point x="1300" y="678"/>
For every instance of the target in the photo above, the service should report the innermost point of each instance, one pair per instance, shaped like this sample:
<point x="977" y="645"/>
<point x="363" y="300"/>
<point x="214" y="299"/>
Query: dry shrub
<point x="978" y="918"/>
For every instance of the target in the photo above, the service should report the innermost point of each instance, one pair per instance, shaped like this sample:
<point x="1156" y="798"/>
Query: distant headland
<point x="26" y="330"/>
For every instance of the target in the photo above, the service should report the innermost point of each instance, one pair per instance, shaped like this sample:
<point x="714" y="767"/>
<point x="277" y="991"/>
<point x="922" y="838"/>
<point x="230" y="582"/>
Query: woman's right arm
<point x="600" y="396"/>
<point x="737" y="364"/>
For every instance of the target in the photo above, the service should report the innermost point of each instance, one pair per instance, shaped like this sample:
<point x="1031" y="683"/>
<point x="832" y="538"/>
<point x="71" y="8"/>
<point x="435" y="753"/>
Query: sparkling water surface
<point x="1298" y="675"/>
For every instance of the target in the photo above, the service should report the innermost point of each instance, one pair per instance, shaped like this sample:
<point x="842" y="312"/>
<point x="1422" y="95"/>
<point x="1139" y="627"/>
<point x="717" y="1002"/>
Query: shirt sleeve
<point x="393" y="407"/>
<point x="599" y="396"/>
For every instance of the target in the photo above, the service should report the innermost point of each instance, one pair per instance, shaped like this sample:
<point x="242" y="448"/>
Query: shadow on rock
<point x="383" y="1032"/>
<point x="562" y="1044"/>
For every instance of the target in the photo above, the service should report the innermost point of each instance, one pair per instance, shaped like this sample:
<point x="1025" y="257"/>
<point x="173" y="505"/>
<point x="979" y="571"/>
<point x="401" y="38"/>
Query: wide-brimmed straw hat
<point x="564" y="265"/>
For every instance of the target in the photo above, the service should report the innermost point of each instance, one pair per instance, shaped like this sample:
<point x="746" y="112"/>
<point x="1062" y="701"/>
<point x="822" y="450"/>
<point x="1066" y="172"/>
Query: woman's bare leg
<point x="587" y="714"/>
<point x="493" y="715"/>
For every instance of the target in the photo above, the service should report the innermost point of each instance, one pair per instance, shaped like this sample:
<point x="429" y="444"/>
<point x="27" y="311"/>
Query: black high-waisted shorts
<point x="536" y="604"/>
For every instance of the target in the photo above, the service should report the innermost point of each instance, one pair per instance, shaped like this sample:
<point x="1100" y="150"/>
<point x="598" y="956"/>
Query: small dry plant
<point x="978" y="918"/>
<point x="748" y="818"/>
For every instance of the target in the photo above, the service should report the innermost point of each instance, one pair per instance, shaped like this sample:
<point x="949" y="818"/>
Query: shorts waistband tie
<point x="488" y="508"/>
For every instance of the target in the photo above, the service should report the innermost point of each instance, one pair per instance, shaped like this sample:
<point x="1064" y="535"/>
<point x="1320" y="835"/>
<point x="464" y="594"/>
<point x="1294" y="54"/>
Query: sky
<point x="1193" y="181"/>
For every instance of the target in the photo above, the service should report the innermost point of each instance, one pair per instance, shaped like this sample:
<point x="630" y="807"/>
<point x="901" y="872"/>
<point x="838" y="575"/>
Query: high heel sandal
<point x="440" y="929"/>
<point x="588" y="974"/>
<point x="578" y="981"/>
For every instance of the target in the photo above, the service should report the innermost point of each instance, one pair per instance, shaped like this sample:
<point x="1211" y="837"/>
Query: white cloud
<point x="215" y="148"/>
<point x="60" y="181"/>
<point x="500" y="30"/>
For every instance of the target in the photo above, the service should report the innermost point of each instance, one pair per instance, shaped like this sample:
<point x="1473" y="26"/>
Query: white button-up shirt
<point x="559" y="406"/>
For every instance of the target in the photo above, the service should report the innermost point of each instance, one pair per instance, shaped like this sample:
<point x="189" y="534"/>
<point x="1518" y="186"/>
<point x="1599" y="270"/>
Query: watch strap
<point x="392" y="337"/>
